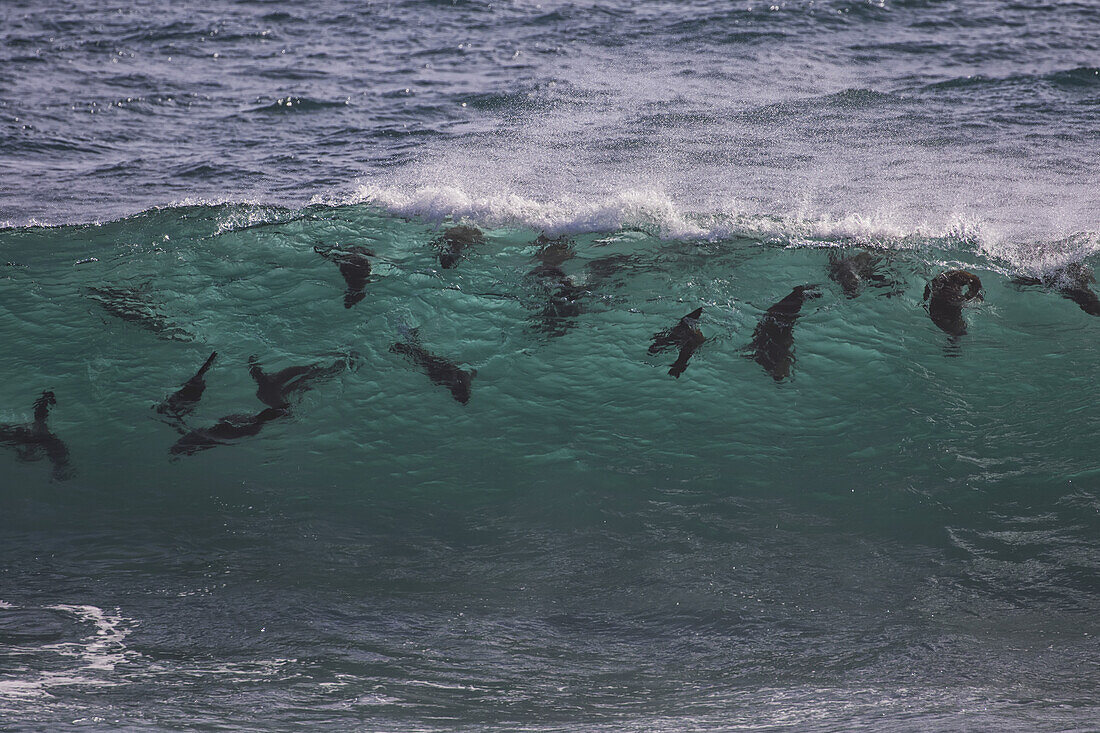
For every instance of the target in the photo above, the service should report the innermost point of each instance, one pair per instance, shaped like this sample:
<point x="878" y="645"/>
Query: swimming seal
<point x="228" y="429"/>
<point x="136" y="306"/>
<point x="441" y="371"/>
<point x="183" y="401"/>
<point x="454" y="240"/>
<point x="552" y="253"/>
<point x="563" y="295"/>
<point x="685" y="335"/>
<point x="354" y="267"/>
<point x="946" y="298"/>
<point x="274" y="390"/>
<point x="1072" y="282"/>
<point x="35" y="440"/>
<point x="772" y="345"/>
<point x="853" y="271"/>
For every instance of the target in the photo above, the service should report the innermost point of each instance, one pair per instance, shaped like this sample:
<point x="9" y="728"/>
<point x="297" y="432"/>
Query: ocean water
<point x="901" y="534"/>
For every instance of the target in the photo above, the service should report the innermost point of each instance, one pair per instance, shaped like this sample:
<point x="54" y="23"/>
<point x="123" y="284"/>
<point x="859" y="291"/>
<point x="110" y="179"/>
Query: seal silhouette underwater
<point x="225" y="431"/>
<point x="441" y="371"/>
<point x="35" y="440"/>
<point x="946" y="298"/>
<point x="454" y="240"/>
<point x="275" y="389"/>
<point x="354" y="265"/>
<point x="136" y="306"/>
<point x="772" y="345"/>
<point x="183" y="401"/>
<point x="685" y="335"/>
<point x="1071" y="282"/>
<point x="563" y="295"/>
<point x="851" y="272"/>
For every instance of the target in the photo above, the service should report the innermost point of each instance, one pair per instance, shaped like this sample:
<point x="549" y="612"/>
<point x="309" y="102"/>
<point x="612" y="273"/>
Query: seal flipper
<point x="183" y="401"/>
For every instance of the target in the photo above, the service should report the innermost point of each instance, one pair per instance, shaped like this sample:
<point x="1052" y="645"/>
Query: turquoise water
<point x="902" y="534"/>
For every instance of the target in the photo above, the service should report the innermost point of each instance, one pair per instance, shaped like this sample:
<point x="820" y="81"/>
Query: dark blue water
<point x="898" y="533"/>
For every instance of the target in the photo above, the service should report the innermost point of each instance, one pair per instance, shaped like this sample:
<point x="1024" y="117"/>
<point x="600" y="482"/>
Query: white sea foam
<point x="88" y="661"/>
<point x="660" y="214"/>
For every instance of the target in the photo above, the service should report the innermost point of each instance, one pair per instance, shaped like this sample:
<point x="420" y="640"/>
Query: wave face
<point x="476" y="500"/>
<point x="722" y="539"/>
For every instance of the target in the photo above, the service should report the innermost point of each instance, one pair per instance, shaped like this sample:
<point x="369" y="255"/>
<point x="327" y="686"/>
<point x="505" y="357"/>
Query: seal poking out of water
<point x="35" y="440"/>
<point x="685" y="335"/>
<point x="946" y="298"/>
<point x="772" y="343"/>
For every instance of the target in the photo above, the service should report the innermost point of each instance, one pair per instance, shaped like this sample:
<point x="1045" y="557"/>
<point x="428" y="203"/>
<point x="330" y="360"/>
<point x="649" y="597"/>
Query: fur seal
<point x="441" y="371"/>
<point x="183" y="401"/>
<point x="853" y="271"/>
<point x="561" y="308"/>
<point x="136" y="306"/>
<point x="354" y="267"/>
<point x="685" y="335"/>
<point x="563" y="295"/>
<point x="225" y="431"/>
<point x="946" y="299"/>
<point x="554" y="252"/>
<point x="1072" y="282"/>
<point x="35" y="440"/>
<point x="454" y="240"/>
<point x="772" y="343"/>
<point x="274" y="390"/>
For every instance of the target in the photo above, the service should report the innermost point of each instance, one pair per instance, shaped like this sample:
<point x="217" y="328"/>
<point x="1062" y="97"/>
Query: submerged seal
<point x="685" y="335"/>
<point x="563" y="295"/>
<point x="225" y="431"/>
<point x="772" y="343"/>
<point x="1072" y="282"/>
<point x="274" y="390"/>
<point x="35" y="440"/>
<point x="853" y="271"/>
<point x="456" y="239"/>
<point x="946" y="298"/>
<point x="354" y="267"/>
<point x="441" y="371"/>
<point x="183" y="401"/>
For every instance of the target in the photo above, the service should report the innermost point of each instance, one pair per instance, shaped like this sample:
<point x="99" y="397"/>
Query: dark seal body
<point x="227" y="430"/>
<point x="454" y="241"/>
<point x="851" y="272"/>
<point x="183" y="401"/>
<point x="441" y="371"/>
<point x="1072" y="282"/>
<point x="685" y="335"/>
<point x="35" y="440"/>
<point x="354" y="265"/>
<point x="946" y="295"/>
<point x="275" y="389"/>
<point x="773" y="340"/>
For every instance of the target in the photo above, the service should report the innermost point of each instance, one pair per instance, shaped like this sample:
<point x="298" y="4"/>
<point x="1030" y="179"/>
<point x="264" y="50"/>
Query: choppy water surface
<point x="901" y="535"/>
